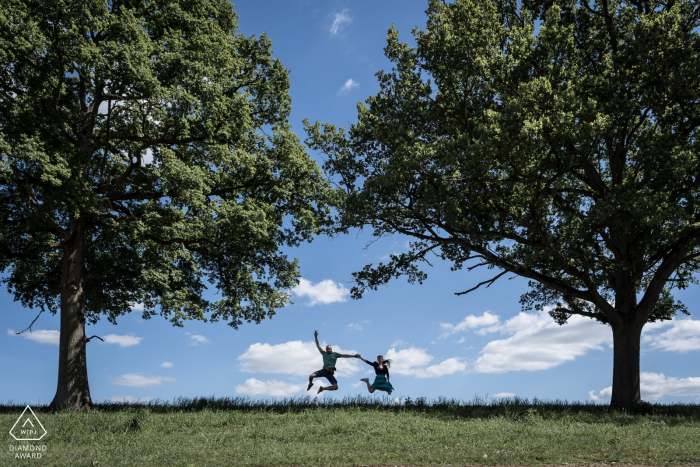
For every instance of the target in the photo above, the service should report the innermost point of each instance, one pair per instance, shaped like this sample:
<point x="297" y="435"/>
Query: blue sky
<point x="480" y="344"/>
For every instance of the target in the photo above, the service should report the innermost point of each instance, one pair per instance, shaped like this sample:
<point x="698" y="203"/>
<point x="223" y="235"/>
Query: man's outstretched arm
<point x="317" y="344"/>
<point x="347" y="355"/>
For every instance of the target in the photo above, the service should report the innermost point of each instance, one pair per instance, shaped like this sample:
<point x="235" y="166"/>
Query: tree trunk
<point x="73" y="390"/>
<point x="626" y="388"/>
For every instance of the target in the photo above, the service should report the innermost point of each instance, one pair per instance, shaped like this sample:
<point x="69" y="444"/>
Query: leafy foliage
<point x="162" y="132"/>
<point x="558" y="142"/>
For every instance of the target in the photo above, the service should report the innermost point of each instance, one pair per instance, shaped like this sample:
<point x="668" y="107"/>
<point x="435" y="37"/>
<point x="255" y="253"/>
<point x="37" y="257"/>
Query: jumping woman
<point x="381" y="380"/>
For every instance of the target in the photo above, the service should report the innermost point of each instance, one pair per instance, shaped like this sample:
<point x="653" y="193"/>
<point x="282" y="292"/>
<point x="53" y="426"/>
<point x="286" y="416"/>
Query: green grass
<point x="218" y="432"/>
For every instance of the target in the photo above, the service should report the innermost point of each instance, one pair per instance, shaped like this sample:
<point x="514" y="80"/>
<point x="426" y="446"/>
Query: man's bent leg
<point x="311" y="380"/>
<point x="328" y="388"/>
<point x="331" y="379"/>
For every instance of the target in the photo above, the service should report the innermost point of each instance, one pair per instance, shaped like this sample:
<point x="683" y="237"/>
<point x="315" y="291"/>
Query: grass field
<point x="356" y="432"/>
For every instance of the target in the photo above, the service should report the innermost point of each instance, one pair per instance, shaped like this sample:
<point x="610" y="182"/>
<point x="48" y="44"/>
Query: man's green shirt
<point x="329" y="359"/>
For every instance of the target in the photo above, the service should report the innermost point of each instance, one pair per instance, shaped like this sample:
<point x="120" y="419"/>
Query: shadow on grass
<point x="514" y="408"/>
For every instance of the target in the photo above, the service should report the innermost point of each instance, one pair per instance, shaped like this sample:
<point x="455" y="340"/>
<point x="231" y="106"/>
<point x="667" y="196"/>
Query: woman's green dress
<point x="381" y="384"/>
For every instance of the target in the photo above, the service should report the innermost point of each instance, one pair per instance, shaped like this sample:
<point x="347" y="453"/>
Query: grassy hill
<point x="360" y="431"/>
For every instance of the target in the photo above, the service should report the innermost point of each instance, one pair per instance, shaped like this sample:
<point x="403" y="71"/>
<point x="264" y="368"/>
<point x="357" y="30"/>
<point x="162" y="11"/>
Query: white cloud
<point x="603" y="395"/>
<point x="137" y="307"/>
<point x="122" y="341"/>
<point x="53" y="337"/>
<point x="539" y="343"/>
<point x="129" y="399"/>
<point x="272" y="388"/>
<point x="470" y="322"/>
<point x="399" y="343"/>
<point x="293" y="358"/>
<point x="505" y="394"/>
<point x="414" y="361"/>
<point x="340" y="19"/>
<point x="166" y="365"/>
<point x="654" y="386"/>
<point x="324" y="292"/>
<point x="139" y="380"/>
<point x="196" y="339"/>
<point x="683" y="336"/>
<point x="41" y="336"/>
<point x="355" y="326"/>
<point x="199" y="339"/>
<point x="447" y="367"/>
<point x="536" y="342"/>
<point x="345" y="89"/>
<point x="408" y="361"/>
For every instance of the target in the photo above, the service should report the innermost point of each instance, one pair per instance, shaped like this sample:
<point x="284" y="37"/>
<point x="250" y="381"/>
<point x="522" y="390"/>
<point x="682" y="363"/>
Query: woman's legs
<point x="369" y="386"/>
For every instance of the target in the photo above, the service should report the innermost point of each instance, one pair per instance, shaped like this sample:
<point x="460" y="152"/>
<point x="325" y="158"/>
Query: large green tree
<point x="145" y="150"/>
<point x="554" y="141"/>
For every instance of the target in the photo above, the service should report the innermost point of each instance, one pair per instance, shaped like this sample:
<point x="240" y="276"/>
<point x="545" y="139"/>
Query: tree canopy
<point x="553" y="141"/>
<point x="145" y="155"/>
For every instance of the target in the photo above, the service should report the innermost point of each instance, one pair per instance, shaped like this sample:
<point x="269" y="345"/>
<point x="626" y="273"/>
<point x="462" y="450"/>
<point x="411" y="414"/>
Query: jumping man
<point x="329" y="358"/>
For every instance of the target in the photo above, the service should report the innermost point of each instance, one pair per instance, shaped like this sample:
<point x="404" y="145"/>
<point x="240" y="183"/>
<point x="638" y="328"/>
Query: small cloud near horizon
<point x="271" y="388"/>
<point x="166" y="365"/>
<point x="140" y="380"/>
<point x="654" y="386"/>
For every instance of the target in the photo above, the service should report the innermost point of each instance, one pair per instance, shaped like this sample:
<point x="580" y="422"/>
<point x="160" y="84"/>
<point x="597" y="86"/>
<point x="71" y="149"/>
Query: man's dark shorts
<point x="323" y="373"/>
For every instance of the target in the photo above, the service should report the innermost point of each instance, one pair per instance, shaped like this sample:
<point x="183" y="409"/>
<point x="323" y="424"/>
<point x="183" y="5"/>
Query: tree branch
<point x="489" y="282"/>
<point x="578" y="311"/>
<point x="30" y="326"/>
